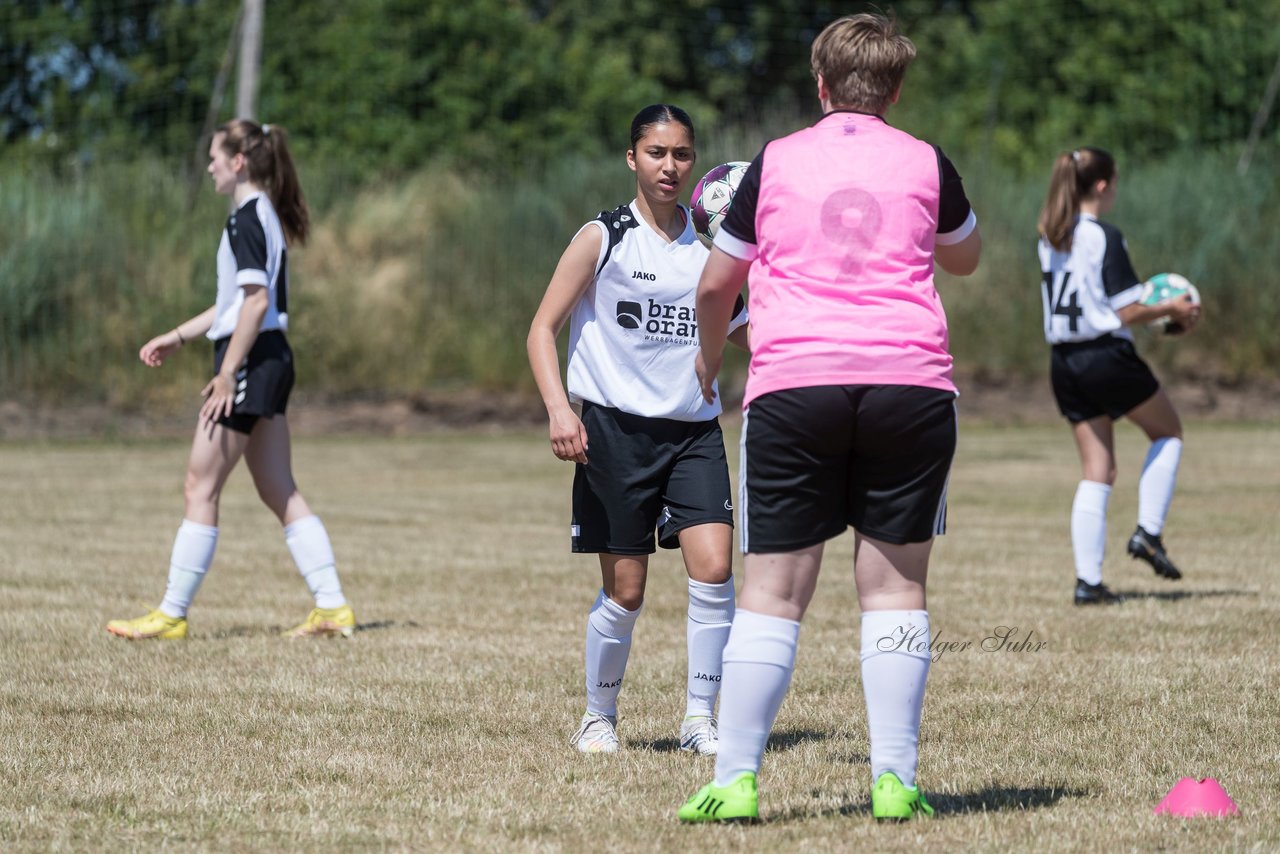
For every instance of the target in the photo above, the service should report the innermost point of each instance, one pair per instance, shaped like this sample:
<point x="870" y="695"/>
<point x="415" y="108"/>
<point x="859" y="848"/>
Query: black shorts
<point x="263" y="382"/>
<point x="1104" y="376"/>
<point x="644" y="474"/>
<point x="817" y="460"/>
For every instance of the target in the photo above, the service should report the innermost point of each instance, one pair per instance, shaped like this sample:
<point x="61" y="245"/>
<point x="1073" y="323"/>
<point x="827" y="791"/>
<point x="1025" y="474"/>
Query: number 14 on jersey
<point x="1061" y="299"/>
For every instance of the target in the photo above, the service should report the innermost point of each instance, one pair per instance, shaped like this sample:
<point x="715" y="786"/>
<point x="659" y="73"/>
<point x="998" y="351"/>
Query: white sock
<point x="758" y="662"/>
<point x="895" y="665"/>
<point x="609" y="628"/>
<point x="1155" y="487"/>
<point x="192" y="554"/>
<point x="309" y="544"/>
<point x="710" y="618"/>
<point x="1089" y="529"/>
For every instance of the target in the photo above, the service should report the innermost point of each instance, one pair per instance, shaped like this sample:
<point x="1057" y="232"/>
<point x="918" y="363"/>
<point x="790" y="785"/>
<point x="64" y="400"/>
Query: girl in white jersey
<point x="1091" y="296"/>
<point x="626" y="285"/>
<point x="244" y="408"/>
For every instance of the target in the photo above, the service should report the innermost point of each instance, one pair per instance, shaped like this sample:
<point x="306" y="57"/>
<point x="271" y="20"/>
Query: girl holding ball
<point x="1091" y="297"/>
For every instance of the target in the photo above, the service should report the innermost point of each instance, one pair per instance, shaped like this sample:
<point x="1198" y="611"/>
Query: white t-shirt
<point x="1081" y="290"/>
<point x="633" y="337"/>
<point x="252" y="252"/>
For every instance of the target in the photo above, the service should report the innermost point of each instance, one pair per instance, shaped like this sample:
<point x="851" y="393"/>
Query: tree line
<point x="376" y="87"/>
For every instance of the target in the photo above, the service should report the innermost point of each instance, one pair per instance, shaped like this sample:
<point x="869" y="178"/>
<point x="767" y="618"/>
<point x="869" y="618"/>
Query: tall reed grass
<point x="430" y="281"/>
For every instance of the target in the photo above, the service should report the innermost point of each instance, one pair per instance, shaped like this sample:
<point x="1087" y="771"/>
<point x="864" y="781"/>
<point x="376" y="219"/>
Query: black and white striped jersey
<point x="1082" y="289"/>
<point x="252" y="252"/>
<point x="633" y="337"/>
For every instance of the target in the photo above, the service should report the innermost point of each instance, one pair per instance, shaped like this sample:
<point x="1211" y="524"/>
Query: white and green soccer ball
<point x="1166" y="286"/>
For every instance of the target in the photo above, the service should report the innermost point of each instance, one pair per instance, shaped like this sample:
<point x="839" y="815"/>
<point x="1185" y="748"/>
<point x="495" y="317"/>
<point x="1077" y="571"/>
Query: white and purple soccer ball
<point x="713" y="195"/>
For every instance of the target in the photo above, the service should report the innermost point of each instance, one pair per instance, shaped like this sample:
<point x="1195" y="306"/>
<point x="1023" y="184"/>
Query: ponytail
<point x="266" y="151"/>
<point x="284" y="188"/>
<point x="1074" y="175"/>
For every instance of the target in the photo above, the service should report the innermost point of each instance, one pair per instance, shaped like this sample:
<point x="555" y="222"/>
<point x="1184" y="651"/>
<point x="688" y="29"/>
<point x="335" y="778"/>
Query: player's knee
<point x="712" y="573"/>
<point x="276" y="496"/>
<point x="1100" y="472"/>
<point x="274" y="503"/>
<point x="1169" y="430"/>
<point x="631" y="599"/>
<point x="197" y="489"/>
<point x="271" y="494"/>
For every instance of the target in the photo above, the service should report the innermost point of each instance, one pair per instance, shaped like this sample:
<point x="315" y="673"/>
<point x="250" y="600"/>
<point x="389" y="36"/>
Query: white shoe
<point x="700" y="736"/>
<point x="596" y="734"/>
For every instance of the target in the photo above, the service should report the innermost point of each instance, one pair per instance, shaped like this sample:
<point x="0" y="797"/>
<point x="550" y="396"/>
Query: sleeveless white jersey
<point x="1082" y="289"/>
<point x="633" y="337"/>
<point x="252" y="252"/>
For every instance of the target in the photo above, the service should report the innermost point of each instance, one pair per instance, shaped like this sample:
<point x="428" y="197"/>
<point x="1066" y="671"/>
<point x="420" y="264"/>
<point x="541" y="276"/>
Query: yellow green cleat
<point x="154" y="625"/>
<point x="892" y="801"/>
<point x="326" y="622"/>
<point x="734" y="802"/>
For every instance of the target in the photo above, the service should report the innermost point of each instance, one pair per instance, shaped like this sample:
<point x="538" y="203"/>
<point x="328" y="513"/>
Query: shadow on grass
<point x="789" y="738"/>
<point x="276" y="631"/>
<point x="777" y="741"/>
<point x="1178" y="595"/>
<point x="990" y="799"/>
<point x="378" y="625"/>
<point x="662" y="745"/>
<point x="1002" y="799"/>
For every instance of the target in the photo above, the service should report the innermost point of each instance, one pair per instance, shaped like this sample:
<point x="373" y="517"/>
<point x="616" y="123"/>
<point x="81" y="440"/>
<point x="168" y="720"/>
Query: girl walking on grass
<point x="243" y="414"/>
<point x="626" y="286"/>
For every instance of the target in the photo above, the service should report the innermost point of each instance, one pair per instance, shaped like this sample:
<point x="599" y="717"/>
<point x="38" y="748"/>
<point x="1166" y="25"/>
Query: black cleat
<point x="1150" y="548"/>
<point x="1095" y="594"/>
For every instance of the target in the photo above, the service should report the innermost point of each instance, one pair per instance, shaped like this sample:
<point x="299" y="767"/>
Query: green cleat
<point x="734" y="802"/>
<point x="153" y="625"/>
<point x="892" y="801"/>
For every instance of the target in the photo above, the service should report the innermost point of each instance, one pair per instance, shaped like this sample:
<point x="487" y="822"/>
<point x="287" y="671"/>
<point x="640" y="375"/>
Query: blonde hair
<point x="862" y="60"/>
<point x="266" y="152"/>
<point x="1075" y="173"/>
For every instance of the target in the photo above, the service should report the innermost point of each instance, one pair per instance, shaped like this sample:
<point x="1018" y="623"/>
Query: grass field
<point x="443" y="724"/>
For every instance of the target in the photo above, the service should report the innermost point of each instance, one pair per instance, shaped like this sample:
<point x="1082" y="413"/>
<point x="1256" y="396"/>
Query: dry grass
<point x="443" y="724"/>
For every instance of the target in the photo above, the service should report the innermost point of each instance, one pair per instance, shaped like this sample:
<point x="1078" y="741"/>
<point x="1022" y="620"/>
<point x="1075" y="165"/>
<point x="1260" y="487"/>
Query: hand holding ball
<point x="1162" y="288"/>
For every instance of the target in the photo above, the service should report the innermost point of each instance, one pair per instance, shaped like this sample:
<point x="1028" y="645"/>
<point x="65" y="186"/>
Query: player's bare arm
<point x="960" y="259"/>
<point x="718" y="289"/>
<point x="219" y="394"/>
<point x="569" y="282"/>
<point x="1181" y="310"/>
<point x="155" y="351"/>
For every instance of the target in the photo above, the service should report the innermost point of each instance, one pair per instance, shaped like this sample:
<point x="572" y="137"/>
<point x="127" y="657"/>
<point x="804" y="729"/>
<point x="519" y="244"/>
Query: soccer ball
<point x="713" y="195"/>
<point x="1167" y="286"/>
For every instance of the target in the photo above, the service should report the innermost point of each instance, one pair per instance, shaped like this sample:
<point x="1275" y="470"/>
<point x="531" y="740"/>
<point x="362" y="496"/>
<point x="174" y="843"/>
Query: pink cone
<point x="1192" y="797"/>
